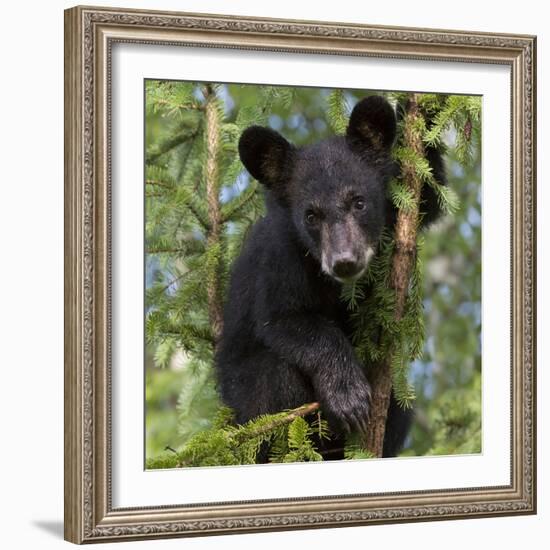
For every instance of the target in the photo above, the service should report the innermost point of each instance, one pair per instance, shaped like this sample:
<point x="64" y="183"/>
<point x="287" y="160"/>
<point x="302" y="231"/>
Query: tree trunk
<point x="213" y="288"/>
<point x="403" y="261"/>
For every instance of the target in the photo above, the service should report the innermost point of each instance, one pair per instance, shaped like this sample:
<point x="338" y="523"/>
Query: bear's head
<point x="334" y="190"/>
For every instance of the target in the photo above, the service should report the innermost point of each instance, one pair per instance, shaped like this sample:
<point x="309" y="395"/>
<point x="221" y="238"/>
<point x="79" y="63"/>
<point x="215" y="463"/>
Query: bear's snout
<point x="346" y="265"/>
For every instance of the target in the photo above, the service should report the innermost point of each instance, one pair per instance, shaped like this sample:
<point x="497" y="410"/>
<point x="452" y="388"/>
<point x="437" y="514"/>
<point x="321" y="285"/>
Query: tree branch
<point x="303" y="410"/>
<point x="213" y="290"/>
<point x="159" y="183"/>
<point x="403" y="261"/>
<point x="168" y="145"/>
<point x="243" y="434"/>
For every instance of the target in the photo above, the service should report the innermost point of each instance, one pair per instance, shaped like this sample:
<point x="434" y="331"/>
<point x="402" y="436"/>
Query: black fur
<point x="286" y="337"/>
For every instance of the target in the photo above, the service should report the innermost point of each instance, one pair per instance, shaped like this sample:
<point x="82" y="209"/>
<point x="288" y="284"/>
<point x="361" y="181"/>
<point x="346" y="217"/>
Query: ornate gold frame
<point x="89" y="34"/>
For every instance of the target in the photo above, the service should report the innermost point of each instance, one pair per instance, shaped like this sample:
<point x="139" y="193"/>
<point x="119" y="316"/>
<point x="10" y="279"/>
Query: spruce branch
<point x="159" y="184"/>
<point x="230" y="209"/>
<point x="337" y="112"/>
<point x="174" y="105"/>
<point x="166" y="250"/>
<point x="214" y="291"/>
<point x="286" y="418"/>
<point x="189" y="200"/>
<point x="228" y="444"/>
<point x="402" y="267"/>
<point x="161" y="149"/>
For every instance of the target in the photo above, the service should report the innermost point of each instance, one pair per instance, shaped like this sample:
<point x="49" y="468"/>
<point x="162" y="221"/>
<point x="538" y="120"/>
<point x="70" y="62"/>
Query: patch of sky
<point x="197" y="93"/>
<point x="319" y="125"/>
<point x="422" y="374"/>
<point x="152" y="266"/>
<point x="228" y="192"/>
<point x="445" y="291"/>
<point x="470" y="309"/>
<point x="464" y="308"/>
<point x="456" y="170"/>
<point x="276" y="122"/>
<point x="231" y="228"/>
<point x="474" y="217"/>
<point x="466" y="230"/>
<point x="351" y="100"/>
<point x="198" y="235"/>
<point x="449" y="136"/>
<point x="228" y="102"/>
<point x="427" y="302"/>
<point x="295" y="121"/>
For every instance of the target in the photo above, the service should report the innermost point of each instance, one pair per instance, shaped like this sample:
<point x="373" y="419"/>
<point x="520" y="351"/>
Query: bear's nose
<point x="345" y="266"/>
<point x="345" y="269"/>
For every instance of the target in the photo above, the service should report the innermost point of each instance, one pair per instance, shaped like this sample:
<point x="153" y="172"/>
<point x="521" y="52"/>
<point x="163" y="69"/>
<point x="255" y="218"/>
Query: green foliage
<point x="198" y="400"/>
<point x="354" y="450"/>
<point x="401" y="196"/>
<point x="337" y="111"/>
<point x="225" y="444"/>
<point x="162" y="387"/>
<point x="454" y="421"/>
<point x="299" y="443"/>
<point x="457" y="421"/>
<point x="460" y="113"/>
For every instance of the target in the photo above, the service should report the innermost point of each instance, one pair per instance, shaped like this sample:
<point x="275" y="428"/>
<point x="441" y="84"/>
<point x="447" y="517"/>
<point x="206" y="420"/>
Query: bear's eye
<point x="311" y="217"/>
<point x="359" y="203"/>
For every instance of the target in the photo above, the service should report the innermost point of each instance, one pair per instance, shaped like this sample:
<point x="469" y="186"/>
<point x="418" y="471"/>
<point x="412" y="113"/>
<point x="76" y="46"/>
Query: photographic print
<point x="313" y="274"/>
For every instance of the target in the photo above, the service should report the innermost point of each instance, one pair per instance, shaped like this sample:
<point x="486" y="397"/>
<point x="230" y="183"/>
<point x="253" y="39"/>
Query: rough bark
<point x="403" y="261"/>
<point x="213" y="289"/>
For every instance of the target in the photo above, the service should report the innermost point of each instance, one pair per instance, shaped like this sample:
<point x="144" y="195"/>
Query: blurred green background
<point x="181" y="398"/>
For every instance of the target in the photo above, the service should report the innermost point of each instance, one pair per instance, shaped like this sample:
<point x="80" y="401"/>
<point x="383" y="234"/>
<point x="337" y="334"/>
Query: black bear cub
<point x="286" y="336"/>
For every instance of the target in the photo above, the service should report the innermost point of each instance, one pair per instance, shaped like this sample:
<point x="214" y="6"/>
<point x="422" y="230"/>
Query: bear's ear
<point x="266" y="154"/>
<point x="372" y="124"/>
